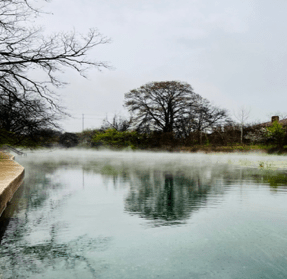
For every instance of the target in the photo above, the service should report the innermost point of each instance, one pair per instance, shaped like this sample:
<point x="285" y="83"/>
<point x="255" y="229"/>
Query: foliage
<point x="69" y="140"/>
<point x="86" y="137"/>
<point x="117" y="139"/>
<point x="221" y="135"/>
<point x="46" y="137"/>
<point x="6" y="137"/>
<point x="226" y="148"/>
<point x="276" y="133"/>
<point x="41" y="137"/>
<point x="256" y="135"/>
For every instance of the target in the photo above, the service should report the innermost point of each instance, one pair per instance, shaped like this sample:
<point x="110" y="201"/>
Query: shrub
<point x="86" y="137"/>
<point x="69" y="140"/>
<point x="276" y="133"/>
<point x="256" y="136"/>
<point x="117" y="139"/>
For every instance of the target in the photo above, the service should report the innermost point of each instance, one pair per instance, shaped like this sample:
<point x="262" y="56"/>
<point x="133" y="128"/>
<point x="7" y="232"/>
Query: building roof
<point x="283" y="122"/>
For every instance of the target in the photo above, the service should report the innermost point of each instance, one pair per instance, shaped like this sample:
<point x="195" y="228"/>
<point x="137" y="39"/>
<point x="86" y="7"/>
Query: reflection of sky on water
<point x="113" y="217"/>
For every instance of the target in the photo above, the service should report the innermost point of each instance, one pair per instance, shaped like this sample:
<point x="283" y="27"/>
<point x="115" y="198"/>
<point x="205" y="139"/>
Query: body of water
<point x="88" y="214"/>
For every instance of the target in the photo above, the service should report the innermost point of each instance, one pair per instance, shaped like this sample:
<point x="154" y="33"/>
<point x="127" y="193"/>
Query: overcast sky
<point x="234" y="53"/>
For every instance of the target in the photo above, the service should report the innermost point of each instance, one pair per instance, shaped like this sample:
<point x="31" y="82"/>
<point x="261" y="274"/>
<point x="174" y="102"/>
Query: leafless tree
<point x="242" y="115"/>
<point x="172" y="106"/>
<point x="24" y="48"/>
<point x="119" y="123"/>
<point x="202" y="117"/>
<point x="160" y="105"/>
<point x="26" y="118"/>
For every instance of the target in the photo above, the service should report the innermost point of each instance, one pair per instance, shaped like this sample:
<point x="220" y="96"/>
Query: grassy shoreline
<point x="271" y="149"/>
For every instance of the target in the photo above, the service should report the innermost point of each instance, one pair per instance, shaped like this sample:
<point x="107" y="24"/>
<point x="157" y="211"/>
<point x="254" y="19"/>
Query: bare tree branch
<point x="24" y="48"/>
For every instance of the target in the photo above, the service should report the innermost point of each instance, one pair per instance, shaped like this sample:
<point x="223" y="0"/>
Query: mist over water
<point x="106" y="214"/>
<point x="156" y="159"/>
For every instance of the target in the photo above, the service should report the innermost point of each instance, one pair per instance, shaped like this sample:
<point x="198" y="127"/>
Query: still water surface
<point x="144" y="215"/>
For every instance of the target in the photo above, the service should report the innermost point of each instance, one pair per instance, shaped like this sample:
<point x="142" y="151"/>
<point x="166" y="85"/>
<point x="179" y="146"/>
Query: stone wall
<point x="11" y="177"/>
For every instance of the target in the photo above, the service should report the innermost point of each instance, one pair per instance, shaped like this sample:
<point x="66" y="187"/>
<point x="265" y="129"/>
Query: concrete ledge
<point x="11" y="177"/>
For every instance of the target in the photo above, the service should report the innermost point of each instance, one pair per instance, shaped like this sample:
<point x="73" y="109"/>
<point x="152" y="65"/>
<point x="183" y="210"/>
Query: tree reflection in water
<point x="166" y="198"/>
<point x="50" y="256"/>
<point x="20" y="256"/>
<point x="165" y="195"/>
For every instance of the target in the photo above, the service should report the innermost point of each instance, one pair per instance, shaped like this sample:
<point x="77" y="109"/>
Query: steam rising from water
<point x="104" y="214"/>
<point x="156" y="159"/>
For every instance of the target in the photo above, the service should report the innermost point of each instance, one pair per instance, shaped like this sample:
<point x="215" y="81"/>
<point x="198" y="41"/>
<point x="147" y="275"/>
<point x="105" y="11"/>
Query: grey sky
<point x="231" y="52"/>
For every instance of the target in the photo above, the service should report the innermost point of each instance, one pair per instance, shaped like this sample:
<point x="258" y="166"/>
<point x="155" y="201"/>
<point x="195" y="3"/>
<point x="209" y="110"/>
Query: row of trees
<point x="229" y="135"/>
<point x="117" y="134"/>
<point x="29" y="107"/>
<point x="170" y="113"/>
<point x="161" y="112"/>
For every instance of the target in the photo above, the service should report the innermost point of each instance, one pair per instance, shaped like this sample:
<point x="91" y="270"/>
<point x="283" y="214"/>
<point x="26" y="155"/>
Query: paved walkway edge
<point x="11" y="177"/>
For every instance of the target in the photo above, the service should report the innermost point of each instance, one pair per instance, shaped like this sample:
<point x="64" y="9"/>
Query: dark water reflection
<point x="115" y="216"/>
<point x="164" y="198"/>
<point x="22" y="258"/>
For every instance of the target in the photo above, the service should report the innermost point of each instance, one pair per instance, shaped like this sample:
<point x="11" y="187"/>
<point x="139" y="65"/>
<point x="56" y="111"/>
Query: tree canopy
<point x="160" y="105"/>
<point x="25" y="117"/>
<point x="172" y="106"/>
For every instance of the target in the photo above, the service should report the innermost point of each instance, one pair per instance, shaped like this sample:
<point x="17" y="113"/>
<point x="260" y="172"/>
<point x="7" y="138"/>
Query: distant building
<point x="283" y="122"/>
